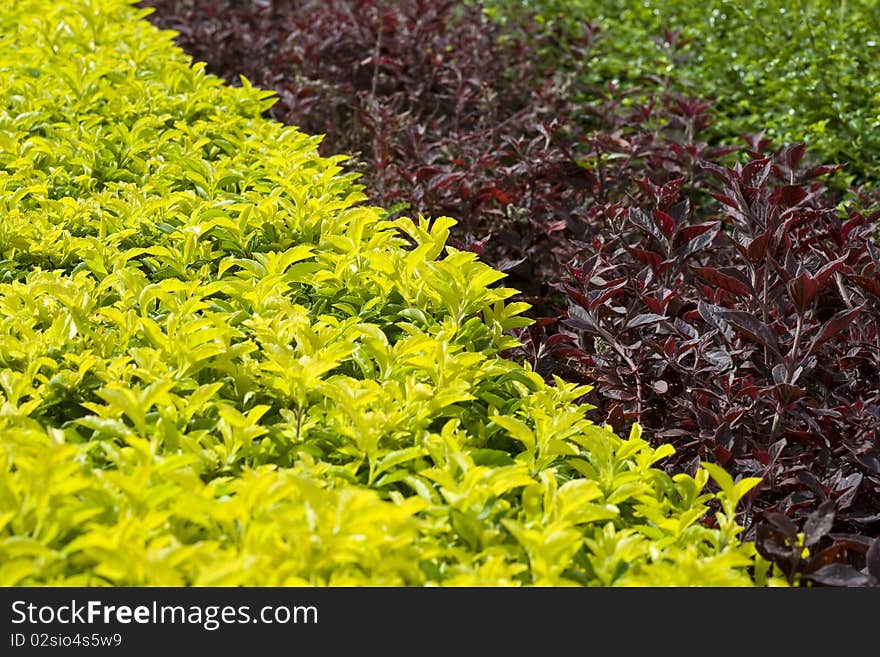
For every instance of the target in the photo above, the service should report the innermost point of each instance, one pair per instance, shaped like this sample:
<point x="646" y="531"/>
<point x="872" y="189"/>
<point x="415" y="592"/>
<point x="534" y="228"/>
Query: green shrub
<point x="803" y="71"/>
<point x="218" y="367"/>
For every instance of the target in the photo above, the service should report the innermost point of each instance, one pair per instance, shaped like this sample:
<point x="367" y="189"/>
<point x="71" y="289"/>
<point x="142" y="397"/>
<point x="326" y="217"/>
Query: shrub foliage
<point x="721" y="295"/>
<point x="799" y="71"/>
<point x="443" y="111"/>
<point x="749" y="336"/>
<point x="219" y="366"/>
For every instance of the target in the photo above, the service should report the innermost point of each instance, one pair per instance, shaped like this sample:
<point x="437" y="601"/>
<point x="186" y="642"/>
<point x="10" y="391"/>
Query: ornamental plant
<point x="800" y="72"/>
<point x="218" y="366"/>
<point x="443" y="111"/>
<point x="726" y="299"/>
<point x="750" y="335"/>
<point x="587" y="196"/>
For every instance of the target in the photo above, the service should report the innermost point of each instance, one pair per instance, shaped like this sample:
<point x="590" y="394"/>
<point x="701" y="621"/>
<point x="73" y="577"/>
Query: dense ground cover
<point x="440" y="115"/>
<point x="623" y="223"/>
<point x="218" y="365"/>
<point x="721" y="293"/>
<point x="799" y="71"/>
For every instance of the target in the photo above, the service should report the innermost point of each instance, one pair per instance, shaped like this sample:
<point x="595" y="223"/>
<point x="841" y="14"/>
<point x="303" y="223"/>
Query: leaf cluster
<point x="745" y="333"/>
<point x="218" y="366"/>
<point x="444" y="111"/>
<point x="722" y="296"/>
<point x="801" y="72"/>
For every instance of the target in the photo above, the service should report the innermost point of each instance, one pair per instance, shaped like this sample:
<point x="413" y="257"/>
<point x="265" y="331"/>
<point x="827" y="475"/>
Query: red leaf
<point x="794" y="154"/>
<point x="644" y="222"/>
<point x="787" y="393"/>
<point x="752" y="327"/>
<point x="856" y="221"/>
<point x="823" y="274"/>
<point x="727" y="201"/>
<point x="500" y="196"/>
<point x="688" y="233"/>
<point x="722" y="455"/>
<point x="650" y="258"/>
<point x="698" y="242"/>
<point x="658" y="305"/>
<point x="839" y="575"/>
<point x="821" y="170"/>
<point x="834" y="326"/>
<point x="832" y="554"/>
<point x="578" y="296"/>
<point x="725" y="281"/>
<point x="664" y="222"/>
<point x="792" y="195"/>
<point x="758" y="246"/>
<point x="643" y="320"/>
<point x="802" y="290"/>
<point x="612" y="289"/>
<point x="756" y="172"/>
<point x="867" y="284"/>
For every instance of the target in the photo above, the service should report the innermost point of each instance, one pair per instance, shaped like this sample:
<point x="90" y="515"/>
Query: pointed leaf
<point x="783" y="523"/>
<point x="867" y="284"/>
<point x="838" y="574"/>
<point x="643" y="221"/>
<point x="650" y="258"/>
<point x="751" y="327"/>
<point x="802" y="290"/>
<point x="794" y="154"/>
<point x="665" y="223"/>
<point x="643" y="320"/>
<point x="834" y="326"/>
<point x="756" y="172"/>
<point x="727" y="279"/>
<point x="711" y="314"/>
<point x="703" y="236"/>
<point x="825" y="272"/>
<point x="819" y="523"/>
<point x="758" y="246"/>
<point x="688" y="233"/>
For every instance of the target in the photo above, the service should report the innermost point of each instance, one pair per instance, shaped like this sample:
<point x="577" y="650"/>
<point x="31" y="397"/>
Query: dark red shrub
<point x="747" y="335"/>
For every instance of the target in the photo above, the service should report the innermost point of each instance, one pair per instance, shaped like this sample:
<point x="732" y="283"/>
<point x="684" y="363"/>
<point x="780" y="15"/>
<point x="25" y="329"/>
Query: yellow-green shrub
<point x="218" y="367"/>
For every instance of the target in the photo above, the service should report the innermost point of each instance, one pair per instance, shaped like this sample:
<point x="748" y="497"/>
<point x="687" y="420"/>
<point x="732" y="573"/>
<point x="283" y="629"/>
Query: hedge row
<point x="722" y="295"/>
<point x="804" y="71"/>
<point x="218" y="366"/>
